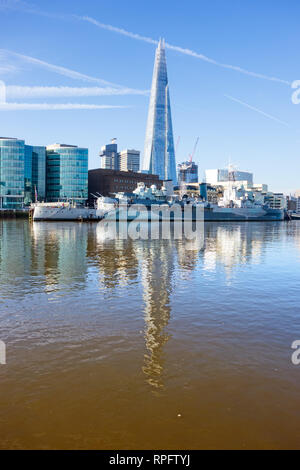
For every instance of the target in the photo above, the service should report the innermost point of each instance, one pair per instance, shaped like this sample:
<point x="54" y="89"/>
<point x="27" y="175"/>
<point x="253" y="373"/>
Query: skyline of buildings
<point x="125" y="160"/>
<point x="159" y="153"/>
<point x="60" y="171"/>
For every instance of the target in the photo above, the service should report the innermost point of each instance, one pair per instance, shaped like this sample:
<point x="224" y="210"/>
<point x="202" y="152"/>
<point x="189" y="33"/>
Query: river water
<point x="122" y="344"/>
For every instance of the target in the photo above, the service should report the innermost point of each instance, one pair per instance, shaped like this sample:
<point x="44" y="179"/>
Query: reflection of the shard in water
<point x="156" y="260"/>
<point x="65" y="253"/>
<point x="157" y="270"/>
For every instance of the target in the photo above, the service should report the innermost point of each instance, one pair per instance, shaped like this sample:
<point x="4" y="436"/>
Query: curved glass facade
<point x="67" y="173"/>
<point x="12" y="171"/>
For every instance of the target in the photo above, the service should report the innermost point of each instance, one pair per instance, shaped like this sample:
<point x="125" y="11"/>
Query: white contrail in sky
<point x="114" y="29"/>
<point x="15" y="91"/>
<point x="7" y="68"/>
<point x="53" y="106"/>
<point x="56" y="68"/>
<point x="182" y="50"/>
<point x="32" y="9"/>
<point x="67" y="72"/>
<point x="257" y="110"/>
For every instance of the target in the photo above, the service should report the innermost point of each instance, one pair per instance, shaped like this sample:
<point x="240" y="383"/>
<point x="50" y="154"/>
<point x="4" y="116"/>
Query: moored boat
<point x="63" y="211"/>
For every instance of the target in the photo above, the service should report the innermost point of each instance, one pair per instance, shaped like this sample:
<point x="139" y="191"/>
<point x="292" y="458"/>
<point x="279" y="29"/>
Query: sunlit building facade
<point x="22" y="173"/>
<point x="12" y="170"/>
<point x="187" y="173"/>
<point x="109" y="156"/>
<point x="67" y="173"/>
<point x="219" y="176"/>
<point x="35" y="174"/>
<point x="129" y="160"/>
<point x="159" y="153"/>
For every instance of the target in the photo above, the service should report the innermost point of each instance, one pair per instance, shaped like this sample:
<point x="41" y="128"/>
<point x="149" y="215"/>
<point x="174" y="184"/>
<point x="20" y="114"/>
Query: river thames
<point x="145" y="344"/>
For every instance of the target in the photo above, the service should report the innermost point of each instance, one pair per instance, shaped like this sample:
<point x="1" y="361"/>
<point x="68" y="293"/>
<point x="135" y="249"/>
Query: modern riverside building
<point x="22" y="173"/>
<point x="12" y="173"/>
<point x="276" y="200"/>
<point x="67" y="173"/>
<point x="35" y="174"/>
<point x="187" y="173"/>
<point x="129" y="160"/>
<point x="220" y="176"/>
<point x="159" y="154"/>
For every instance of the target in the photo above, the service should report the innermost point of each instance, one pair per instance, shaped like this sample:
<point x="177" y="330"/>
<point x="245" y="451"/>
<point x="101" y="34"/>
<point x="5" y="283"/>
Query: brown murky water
<point x="144" y="344"/>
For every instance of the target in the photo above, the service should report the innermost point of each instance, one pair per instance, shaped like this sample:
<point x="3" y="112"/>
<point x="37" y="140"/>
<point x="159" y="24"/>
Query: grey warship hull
<point x="223" y="214"/>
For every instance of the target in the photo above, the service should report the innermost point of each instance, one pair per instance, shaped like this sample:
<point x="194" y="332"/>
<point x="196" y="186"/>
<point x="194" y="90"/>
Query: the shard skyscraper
<point x="159" y="154"/>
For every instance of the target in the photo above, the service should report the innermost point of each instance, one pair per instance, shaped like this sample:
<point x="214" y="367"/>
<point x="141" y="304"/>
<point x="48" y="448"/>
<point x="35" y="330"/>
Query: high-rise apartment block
<point x="109" y="156"/>
<point x="129" y="160"/>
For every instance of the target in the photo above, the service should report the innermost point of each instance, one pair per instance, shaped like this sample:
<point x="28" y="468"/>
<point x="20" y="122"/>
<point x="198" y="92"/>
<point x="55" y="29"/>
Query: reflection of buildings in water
<point x="297" y="237"/>
<point x="157" y="271"/>
<point x="233" y="245"/>
<point x="15" y="249"/>
<point x="293" y="231"/>
<point x="116" y="259"/>
<point x="187" y="258"/>
<point x="45" y="253"/>
<point x="119" y="261"/>
<point x="61" y="252"/>
<point x="256" y="251"/>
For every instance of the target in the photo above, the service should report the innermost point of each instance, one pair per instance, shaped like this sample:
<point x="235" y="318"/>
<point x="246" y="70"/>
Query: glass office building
<point x="12" y="169"/>
<point x="22" y="173"/>
<point x="67" y="173"/>
<point x="39" y="172"/>
<point x="35" y="174"/>
<point x="159" y="154"/>
<point x="28" y="186"/>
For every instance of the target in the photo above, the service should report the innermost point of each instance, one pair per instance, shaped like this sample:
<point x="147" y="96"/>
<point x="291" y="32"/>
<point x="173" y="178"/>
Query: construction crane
<point x="194" y="150"/>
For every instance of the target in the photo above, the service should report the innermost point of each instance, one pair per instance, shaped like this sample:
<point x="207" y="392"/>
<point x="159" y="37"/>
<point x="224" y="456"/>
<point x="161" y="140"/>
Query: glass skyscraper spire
<point x="159" y="154"/>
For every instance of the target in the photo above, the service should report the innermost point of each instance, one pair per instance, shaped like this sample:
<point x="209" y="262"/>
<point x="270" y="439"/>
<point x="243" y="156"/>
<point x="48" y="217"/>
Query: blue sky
<point x="245" y="115"/>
